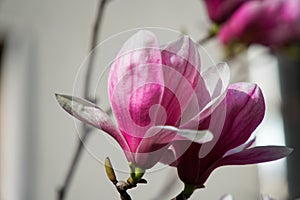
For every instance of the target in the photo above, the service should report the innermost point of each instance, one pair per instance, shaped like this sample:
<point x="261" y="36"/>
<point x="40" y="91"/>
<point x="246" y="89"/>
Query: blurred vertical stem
<point x="62" y="191"/>
<point x="289" y="70"/>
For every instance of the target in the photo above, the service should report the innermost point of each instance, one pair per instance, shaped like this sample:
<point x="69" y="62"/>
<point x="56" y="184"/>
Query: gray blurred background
<point x="44" y="43"/>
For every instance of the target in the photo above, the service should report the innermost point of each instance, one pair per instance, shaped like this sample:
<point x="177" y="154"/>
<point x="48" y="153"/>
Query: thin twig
<point x="206" y="39"/>
<point x="61" y="193"/>
<point x="93" y="44"/>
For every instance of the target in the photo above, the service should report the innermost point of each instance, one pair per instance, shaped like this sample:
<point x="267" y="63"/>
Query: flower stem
<point x="121" y="186"/>
<point x="211" y="33"/>
<point x="61" y="193"/>
<point x="205" y="39"/>
<point x="186" y="193"/>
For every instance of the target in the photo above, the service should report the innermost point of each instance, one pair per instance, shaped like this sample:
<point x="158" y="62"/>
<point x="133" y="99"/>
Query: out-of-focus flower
<point x="230" y="197"/>
<point x="274" y="23"/>
<point x="245" y="110"/>
<point x="220" y="10"/>
<point x="158" y="95"/>
<point x="226" y="197"/>
<point x="266" y="197"/>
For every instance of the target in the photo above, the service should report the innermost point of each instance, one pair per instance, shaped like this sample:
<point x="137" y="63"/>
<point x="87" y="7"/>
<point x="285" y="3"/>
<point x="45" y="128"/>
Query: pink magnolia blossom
<point x="273" y="23"/>
<point x="158" y="95"/>
<point x="220" y="10"/>
<point x="245" y="108"/>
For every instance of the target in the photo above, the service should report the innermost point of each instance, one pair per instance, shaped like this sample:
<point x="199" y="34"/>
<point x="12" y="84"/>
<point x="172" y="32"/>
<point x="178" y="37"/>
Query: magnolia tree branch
<point x="206" y="39"/>
<point x="211" y="34"/>
<point x="61" y="193"/>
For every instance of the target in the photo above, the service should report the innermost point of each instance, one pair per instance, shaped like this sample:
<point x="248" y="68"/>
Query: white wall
<point x="61" y="31"/>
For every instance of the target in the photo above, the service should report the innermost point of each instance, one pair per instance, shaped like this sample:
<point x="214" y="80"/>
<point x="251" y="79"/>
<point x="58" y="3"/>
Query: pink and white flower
<point x="158" y="95"/>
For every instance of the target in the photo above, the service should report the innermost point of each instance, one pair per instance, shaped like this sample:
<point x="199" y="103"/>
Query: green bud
<point x="136" y="174"/>
<point x="139" y="172"/>
<point x="109" y="170"/>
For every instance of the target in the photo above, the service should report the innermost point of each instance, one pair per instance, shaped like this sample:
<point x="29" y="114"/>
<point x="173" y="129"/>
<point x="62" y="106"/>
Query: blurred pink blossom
<point x="274" y="23"/>
<point x="220" y="10"/>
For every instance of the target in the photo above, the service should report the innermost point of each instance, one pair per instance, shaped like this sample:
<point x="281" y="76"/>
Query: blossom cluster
<point x="274" y="23"/>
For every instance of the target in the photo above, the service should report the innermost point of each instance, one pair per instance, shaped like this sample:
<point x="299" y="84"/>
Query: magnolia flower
<point x="220" y="10"/>
<point x="245" y="108"/>
<point x="158" y="95"/>
<point x="273" y="23"/>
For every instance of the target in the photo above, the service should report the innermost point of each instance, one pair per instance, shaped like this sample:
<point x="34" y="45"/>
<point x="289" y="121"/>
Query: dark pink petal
<point x="256" y="19"/>
<point x="231" y="126"/>
<point x="89" y="113"/>
<point x="245" y="109"/>
<point x="256" y="155"/>
<point x="220" y="10"/>
<point x="243" y="23"/>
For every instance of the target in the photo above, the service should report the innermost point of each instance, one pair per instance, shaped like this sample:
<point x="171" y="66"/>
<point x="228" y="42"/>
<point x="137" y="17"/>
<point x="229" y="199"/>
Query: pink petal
<point x="158" y="139"/>
<point x="256" y="155"/>
<point x="216" y="80"/>
<point x="91" y="114"/>
<point x="181" y="67"/>
<point x="168" y="158"/>
<point x="134" y="103"/>
<point x="244" y="111"/>
<point x="242" y="22"/>
<point x="141" y="48"/>
<point x="135" y="85"/>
